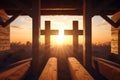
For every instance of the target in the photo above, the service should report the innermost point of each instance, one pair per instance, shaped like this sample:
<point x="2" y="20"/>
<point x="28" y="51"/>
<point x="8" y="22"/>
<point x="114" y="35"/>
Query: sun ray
<point x="60" y="38"/>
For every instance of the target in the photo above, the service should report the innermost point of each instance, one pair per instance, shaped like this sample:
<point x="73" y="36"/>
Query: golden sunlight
<point x="60" y="37"/>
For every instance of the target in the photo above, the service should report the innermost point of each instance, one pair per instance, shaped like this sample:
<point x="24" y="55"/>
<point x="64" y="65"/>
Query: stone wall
<point x="115" y="35"/>
<point x="4" y="33"/>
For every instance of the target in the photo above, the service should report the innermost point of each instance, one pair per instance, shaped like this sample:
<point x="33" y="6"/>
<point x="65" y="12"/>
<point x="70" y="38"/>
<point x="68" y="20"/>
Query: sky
<point x="21" y="28"/>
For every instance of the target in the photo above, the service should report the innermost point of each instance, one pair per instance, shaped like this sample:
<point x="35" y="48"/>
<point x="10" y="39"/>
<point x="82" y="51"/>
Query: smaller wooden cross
<point x="75" y="32"/>
<point x="47" y="32"/>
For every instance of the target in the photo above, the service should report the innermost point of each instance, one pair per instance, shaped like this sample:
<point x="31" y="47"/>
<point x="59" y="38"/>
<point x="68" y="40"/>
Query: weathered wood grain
<point x="18" y="75"/>
<point x="110" y="71"/>
<point x="115" y="35"/>
<point x="50" y="70"/>
<point x="15" y="73"/>
<point x="78" y="72"/>
<point x="4" y="33"/>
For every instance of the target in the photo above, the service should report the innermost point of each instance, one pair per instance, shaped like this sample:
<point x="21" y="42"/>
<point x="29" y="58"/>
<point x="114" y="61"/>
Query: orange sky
<point x="21" y="28"/>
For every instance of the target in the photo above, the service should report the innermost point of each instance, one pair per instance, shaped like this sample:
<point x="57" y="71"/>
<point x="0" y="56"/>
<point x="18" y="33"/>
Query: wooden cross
<point x="75" y="32"/>
<point x="47" y="32"/>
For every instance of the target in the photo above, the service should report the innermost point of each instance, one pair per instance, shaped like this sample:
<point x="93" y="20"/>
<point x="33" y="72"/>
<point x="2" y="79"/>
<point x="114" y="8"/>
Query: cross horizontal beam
<point x="66" y="32"/>
<point x="72" y="32"/>
<point x="51" y="32"/>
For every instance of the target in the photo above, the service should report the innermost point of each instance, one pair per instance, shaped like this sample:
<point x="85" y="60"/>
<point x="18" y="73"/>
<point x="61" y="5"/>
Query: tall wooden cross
<point x="47" y="32"/>
<point x="75" y="32"/>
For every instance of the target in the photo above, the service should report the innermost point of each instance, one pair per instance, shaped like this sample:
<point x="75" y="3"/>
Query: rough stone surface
<point x="115" y="35"/>
<point x="4" y="33"/>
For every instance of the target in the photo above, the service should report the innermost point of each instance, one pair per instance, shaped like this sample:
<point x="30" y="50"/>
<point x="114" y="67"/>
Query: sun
<point x="60" y="37"/>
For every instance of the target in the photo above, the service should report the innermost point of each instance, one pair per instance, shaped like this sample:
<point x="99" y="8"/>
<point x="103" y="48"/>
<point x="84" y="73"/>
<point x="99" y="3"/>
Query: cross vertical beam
<point x="47" y="36"/>
<point x="87" y="31"/>
<point x="75" y="37"/>
<point x="35" y="64"/>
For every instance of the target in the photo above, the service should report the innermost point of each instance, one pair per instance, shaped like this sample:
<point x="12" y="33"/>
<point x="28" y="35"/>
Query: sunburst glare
<point x="60" y="38"/>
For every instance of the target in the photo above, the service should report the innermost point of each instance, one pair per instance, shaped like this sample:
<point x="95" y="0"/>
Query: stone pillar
<point x="4" y="32"/>
<point x="115" y="35"/>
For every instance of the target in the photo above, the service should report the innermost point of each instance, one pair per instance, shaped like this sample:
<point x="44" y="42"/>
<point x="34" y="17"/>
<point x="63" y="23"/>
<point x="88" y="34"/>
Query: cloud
<point x="103" y="24"/>
<point x="17" y="27"/>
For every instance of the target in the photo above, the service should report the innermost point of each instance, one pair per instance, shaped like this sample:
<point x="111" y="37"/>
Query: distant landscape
<point x="21" y="51"/>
